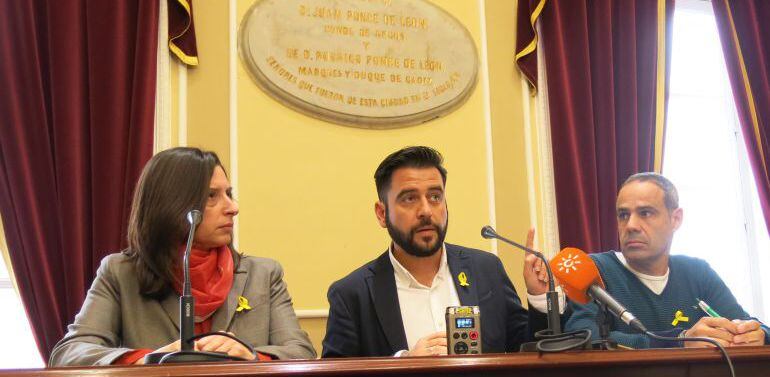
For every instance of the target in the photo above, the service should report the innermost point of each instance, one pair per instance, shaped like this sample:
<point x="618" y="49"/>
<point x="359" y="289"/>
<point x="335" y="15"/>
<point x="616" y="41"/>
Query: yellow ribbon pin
<point x="463" y="279"/>
<point x="243" y="304"/>
<point x="679" y="316"/>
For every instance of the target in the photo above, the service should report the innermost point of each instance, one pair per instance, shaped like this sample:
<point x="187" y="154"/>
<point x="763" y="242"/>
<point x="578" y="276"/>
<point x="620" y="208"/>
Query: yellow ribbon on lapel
<point x="463" y="279"/>
<point x="243" y="304"/>
<point x="679" y="316"/>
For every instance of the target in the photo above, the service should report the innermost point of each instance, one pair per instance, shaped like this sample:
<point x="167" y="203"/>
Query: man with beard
<point x="395" y="305"/>
<point x="663" y="290"/>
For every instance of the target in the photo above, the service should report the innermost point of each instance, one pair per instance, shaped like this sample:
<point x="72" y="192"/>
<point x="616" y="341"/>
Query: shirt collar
<point x="404" y="278"/>
<point x="638" y="274"/>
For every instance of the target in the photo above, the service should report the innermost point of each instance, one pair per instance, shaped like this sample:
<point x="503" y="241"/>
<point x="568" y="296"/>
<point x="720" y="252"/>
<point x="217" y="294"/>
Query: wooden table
<point x="748" y="361"/>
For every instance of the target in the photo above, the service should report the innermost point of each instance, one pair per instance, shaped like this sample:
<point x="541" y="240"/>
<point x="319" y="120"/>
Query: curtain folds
<point x="527" y="14"/>
<point x="744" y="32"/>
<point x="181" y="31"/>
<point x="601" y="65"/>
<point x="77" y="127"/>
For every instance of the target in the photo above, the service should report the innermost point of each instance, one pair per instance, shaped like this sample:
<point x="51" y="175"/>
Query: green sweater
<point x="689" y="279"/>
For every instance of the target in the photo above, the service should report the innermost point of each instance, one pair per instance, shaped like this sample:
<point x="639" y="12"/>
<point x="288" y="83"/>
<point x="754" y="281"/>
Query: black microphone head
<point x="637" y="325"/>
<point x="488" y="232"/>
<point x="194" y="217"/>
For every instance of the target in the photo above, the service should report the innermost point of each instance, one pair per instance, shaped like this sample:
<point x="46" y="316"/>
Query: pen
<point x="706" y="308"/>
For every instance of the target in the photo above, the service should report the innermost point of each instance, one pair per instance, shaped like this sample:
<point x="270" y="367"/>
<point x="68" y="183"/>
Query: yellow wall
<point x="208" y="99"/>
<point x="511" y="200"/>
<point x="305" y="186"/>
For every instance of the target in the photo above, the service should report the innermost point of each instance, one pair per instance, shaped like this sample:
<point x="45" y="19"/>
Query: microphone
<point x="552" y="297"/>
<point x="488" y="232"/>
<point x="194" y="218"/>
<point x="187" y="301"/>
<point x="580" y="279"/>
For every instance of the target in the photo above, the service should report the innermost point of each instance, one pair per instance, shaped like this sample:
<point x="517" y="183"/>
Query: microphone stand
<point x="187" y="353"/>
<point x="552" y="296"/>
<point x="552" y="339"/>
<point x="604" y="322"/>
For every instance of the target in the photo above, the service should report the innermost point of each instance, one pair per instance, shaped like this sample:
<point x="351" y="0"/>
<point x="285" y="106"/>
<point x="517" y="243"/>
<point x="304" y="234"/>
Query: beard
<point x="407" y="239"/>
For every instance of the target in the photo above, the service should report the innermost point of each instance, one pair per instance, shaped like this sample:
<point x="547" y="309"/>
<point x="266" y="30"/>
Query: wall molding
<point x="312" y="313"/>
<point x="529" y="154"/>
<point x="233" y="106"/>
<point x="182" y="105"/>
<point x="484" y="72"/>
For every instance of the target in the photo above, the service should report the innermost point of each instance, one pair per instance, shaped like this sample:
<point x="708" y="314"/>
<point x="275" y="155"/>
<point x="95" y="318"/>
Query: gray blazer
<point x="116" y="319"/>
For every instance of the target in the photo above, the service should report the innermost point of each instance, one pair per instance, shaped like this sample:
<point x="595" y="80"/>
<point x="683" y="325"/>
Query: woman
<point x="132" y="308"/>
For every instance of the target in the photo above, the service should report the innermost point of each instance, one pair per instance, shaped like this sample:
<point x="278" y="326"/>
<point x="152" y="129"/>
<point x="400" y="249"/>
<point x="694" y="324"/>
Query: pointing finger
<point x="531" y="238"/>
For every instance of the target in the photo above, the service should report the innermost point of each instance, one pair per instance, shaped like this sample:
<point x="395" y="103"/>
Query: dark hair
<point x="409" y="157"/>
<point x="670" y="195"/>
<point x="173" y="182"/>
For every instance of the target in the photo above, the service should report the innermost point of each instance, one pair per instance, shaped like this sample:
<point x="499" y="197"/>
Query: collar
<point x="638" y="274"/>
<point x="405" y="279"/>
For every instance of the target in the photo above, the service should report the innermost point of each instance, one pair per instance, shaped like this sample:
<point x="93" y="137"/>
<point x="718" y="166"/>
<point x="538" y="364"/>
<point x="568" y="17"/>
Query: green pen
<point x="706" y="308"/>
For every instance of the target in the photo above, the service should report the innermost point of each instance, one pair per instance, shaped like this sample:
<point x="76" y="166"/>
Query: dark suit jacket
<point x="365" y="316"/>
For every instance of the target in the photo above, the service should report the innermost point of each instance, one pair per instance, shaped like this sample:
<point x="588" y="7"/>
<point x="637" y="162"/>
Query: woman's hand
<point x="211" y="343"/>
<point x="218" y="343"/>
<point x="171" y="347"/>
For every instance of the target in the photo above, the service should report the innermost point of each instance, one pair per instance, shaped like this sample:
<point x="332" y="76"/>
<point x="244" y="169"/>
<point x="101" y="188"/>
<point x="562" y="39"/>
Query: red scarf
<point x="211" y="276"/>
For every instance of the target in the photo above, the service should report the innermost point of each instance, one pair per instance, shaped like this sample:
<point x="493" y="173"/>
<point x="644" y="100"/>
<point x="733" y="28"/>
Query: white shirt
<point x="655" y="283"/>
<point x="540" y="302"/>
<point x="423" y="308"/>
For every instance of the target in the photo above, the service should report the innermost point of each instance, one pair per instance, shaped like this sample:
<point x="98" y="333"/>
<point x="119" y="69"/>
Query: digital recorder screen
<point x="464" y="323"/>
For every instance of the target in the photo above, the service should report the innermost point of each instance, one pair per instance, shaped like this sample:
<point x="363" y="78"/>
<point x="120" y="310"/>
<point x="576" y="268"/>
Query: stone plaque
<point x="365" y="63"/>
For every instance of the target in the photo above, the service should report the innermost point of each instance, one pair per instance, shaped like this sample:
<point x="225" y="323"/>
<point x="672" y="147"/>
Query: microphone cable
<point x="571" y="340"/>
<point x="697" y="339"/>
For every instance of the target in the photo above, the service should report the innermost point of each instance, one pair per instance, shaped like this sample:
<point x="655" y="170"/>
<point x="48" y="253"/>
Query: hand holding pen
<point x="725" y="331"/>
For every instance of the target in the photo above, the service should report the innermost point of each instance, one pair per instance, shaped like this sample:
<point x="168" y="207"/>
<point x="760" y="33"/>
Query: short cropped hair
<point x="409" y="157"/>
<point x="670" y="195"/>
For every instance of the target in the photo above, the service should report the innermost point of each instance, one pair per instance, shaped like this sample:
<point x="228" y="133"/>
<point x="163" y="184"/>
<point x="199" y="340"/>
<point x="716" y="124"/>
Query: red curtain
<point x="181" y="31"/>
<point x="76" y="119"/>
<point x="527" y="14"/>
<point x="744" y="29"/>
<point x="601" y="59"/>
